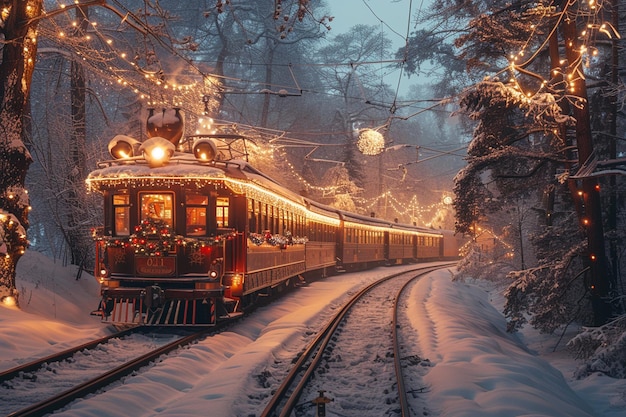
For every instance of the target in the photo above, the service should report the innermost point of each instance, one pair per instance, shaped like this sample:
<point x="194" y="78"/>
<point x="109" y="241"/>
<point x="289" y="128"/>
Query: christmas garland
<point x="153" y="237"/>
<point x="276" y="240"/>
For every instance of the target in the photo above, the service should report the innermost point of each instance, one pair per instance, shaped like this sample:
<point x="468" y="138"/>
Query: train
<point x="193" y="234"/>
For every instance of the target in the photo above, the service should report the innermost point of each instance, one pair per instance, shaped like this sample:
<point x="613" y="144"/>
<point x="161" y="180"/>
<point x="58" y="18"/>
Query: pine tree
<point x="534" y="121"/>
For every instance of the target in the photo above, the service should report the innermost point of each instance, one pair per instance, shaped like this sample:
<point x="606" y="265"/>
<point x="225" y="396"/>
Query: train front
<point x="160" y="252"/>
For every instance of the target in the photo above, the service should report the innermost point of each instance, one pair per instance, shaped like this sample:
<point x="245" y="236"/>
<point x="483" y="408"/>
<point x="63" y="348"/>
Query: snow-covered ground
<point x="477" y="368"/>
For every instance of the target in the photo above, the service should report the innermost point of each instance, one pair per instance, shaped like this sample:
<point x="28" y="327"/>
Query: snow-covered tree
<point x="532" y="115"/>
<point x="25" y="27"/>
<point x="344" y="188"/>
<point x="18" y="25"/>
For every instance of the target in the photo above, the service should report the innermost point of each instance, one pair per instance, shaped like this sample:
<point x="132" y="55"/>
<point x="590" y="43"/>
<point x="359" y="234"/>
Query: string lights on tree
<point x="125" y="67"/>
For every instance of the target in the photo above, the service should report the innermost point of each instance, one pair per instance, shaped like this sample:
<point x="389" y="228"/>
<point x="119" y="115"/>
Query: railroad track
<point x="13" y="377"/>
<point x="320" y="357"/>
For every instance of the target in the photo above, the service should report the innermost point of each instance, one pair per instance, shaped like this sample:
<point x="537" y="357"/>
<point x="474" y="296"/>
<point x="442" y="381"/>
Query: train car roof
<point x="363" y="219"/>
<point x="322" y="209"/>
<point x="373" y="221"/>
<point x="179" y="166"/>
<point x="184" y="166"/>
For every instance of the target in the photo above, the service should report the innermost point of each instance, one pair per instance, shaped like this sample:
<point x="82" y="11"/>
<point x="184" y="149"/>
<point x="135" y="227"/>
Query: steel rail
<point x="404" y="403"/>
<point x="57" y="357"/>
<point x="54" y="403"/>
<point x="314" y="351"/>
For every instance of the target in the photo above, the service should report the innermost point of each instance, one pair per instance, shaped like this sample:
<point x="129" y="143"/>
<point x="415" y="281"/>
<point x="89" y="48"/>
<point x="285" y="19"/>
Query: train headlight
<point x="122" y="147"/>
<point x="103" y="273"/>
<point x="213" y="274"/>
<point x="205" y="149"/>
<point x="157" y="151"/>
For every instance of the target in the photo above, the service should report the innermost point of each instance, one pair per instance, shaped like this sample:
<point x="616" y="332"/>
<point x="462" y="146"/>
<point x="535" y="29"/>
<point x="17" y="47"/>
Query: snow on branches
<point x="603" y="348"/>
<point x="541" y="107"/>
<point x="551" y="294"/>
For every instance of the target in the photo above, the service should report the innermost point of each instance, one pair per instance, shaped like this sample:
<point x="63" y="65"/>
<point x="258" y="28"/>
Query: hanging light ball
<point x="370" y="142"/>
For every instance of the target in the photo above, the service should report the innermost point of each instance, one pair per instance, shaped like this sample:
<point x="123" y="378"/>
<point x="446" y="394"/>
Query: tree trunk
<point x="16" y="69"/>
<point x="614" y="106"/>
<point x="598" y="277"/>
<point x="77" y="243"/>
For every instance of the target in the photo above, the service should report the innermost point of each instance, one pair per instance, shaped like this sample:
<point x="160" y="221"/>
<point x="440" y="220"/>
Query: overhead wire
<point x="146" y="29"/>
<point x="405" y="57"/>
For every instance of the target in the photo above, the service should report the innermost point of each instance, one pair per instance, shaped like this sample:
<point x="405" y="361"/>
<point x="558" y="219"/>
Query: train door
<point x="387" y="243"/>
<point x="232" y="214"/>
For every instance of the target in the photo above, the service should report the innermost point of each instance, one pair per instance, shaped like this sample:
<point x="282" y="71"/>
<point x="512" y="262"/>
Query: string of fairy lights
<point x="591" y="11"/>
<point x="413" y="211"/>
<point x="124" y="66"/>
<point x="152" y="86"/>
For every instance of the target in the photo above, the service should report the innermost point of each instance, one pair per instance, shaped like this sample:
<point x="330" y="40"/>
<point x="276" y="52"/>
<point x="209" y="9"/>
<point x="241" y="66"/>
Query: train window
<point x="272" y="214"/>
<point x="157" y="206"/>
<point x="251" y="216"/>
<point x="196" y="211"/>
<point x="264" y="216"/>
<point x="221" y="211"/>
<point x="121" y="213"/>
<point x="289" y="221"/>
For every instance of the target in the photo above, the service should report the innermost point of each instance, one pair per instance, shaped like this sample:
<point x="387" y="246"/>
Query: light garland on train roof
<point x="257" y="192"/>
<point x="250" y="189"/>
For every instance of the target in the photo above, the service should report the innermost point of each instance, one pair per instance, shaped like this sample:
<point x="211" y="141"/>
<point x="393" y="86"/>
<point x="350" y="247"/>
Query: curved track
<point x="316" y="358"/>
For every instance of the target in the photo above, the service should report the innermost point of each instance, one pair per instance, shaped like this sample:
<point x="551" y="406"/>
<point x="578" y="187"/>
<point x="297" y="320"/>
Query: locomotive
<point x="194" y="234"/>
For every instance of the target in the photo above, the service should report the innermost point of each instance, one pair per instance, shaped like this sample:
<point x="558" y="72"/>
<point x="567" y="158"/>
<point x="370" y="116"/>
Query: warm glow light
<point x="236" y="281"/>
<point x="157" y="153"/>
<point x="370" y="142"/>
<point x="9" y="301"/>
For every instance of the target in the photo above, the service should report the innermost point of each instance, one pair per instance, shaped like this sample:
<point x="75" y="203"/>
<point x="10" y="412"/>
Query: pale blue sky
<point x="394" y="14"/>
<point x="395" y="17"/>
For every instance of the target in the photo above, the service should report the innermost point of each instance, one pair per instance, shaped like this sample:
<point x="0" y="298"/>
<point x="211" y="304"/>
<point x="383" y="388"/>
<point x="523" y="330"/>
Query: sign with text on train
<point x="156" y="266"/>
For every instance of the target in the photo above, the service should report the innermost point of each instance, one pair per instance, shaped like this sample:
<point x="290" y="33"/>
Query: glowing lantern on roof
<point x="157" y="151"/>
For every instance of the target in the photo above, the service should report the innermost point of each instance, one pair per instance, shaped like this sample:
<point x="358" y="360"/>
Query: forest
<point x="512" y="133"/>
